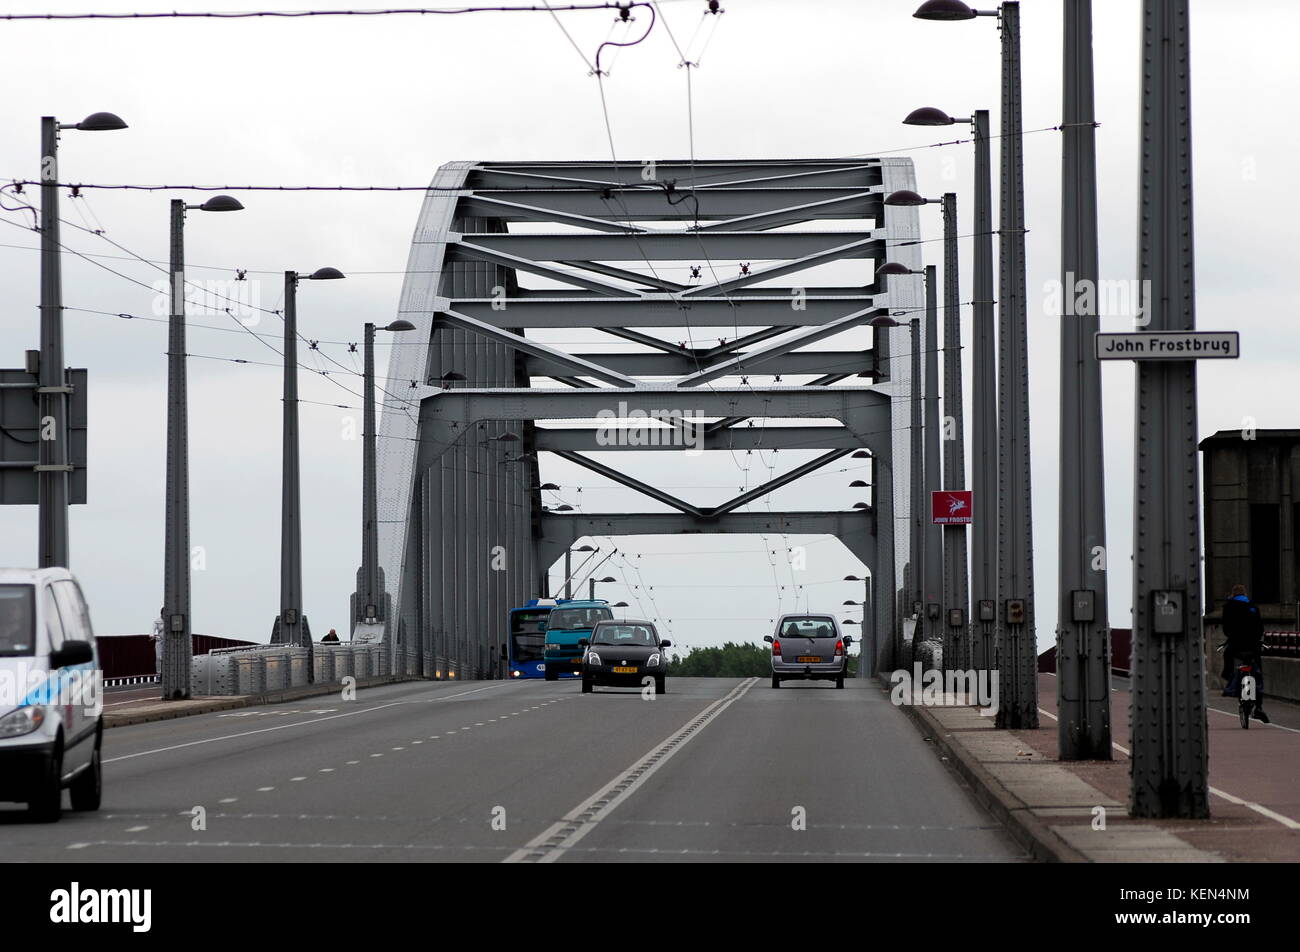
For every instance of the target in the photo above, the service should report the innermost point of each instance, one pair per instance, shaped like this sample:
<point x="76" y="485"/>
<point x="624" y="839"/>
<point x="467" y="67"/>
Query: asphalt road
<point x="714" y="770"/>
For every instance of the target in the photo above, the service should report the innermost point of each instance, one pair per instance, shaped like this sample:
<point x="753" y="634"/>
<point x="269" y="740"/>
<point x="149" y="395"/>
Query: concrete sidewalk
<point x="1051" y="807"/>
<point x="145" y="709"/>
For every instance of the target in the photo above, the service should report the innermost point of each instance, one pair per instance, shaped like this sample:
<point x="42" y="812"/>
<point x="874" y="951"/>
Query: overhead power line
<point x="303" y="14"/>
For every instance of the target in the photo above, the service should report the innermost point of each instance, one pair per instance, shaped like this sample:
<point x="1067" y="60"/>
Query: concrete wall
<point x="1281" y="675"/>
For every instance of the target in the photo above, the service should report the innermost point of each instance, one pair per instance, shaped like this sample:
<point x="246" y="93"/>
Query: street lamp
<point x="984" y="439"/>
<point x="927" y="538"/>
<point x="591" y="582"/>
<point x="868" y="638"/>
<point x="370" y="601"/>
<point x="956" y="594"/>
<point x="568" y="557"/>
<point x="177" y="628"/>
<point x="54" y="463"/>
<point x="290" y="626"/>
<point x="1017" y="662"/>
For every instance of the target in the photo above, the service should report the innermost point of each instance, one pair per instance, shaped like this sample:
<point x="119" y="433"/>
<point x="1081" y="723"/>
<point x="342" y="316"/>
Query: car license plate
<point x="809" y="659"/>
<point x="629" y="669"/>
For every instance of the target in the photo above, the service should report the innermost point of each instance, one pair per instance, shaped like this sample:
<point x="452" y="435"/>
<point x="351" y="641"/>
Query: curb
<point x="126" y="719"/>
<point x="1028" y="831"/>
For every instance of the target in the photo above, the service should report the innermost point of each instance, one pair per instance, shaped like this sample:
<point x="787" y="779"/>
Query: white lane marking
<point x="376" y="755"/>
<point x="296" y="779"/>
<point x="397" y="748"/>
<point x="351" y="762"/>
<point x="264" y="789"/>
<point x="1258" y="808"/>
<point x="577" y="823"/>
<point x="228" y="800"/>
<point x="326" y="770"/>
<point x="417" y="742"/>
<point x="1279" y="727"/>
<point x="1208" y="707"/>
<point x="136" y="829"/>
<point x="281" y="727"/>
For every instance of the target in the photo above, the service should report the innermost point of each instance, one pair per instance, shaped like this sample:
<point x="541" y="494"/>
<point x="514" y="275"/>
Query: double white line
<point x="582" y="819"/>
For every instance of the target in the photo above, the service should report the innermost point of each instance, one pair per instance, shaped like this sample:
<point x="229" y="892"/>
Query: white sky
<point x="387" y="100"/>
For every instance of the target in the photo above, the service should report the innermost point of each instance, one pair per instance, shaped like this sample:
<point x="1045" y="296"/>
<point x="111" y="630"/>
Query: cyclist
<point x="1244" y="629"/>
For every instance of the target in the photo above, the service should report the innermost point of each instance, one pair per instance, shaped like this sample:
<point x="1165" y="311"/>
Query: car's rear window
<point x="17" y="620"/>
<point x="811" y="626"/>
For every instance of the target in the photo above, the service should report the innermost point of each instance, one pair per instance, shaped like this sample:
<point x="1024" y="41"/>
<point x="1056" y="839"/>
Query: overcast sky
<point x="385" y="101"/>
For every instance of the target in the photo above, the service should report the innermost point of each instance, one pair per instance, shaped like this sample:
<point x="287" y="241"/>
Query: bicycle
<point x="1246" y="682"/>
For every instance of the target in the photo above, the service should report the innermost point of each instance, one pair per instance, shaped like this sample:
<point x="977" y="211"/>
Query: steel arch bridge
<point x="505" y="250"/>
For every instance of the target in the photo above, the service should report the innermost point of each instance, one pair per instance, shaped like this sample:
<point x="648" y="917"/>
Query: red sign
<point x="951" y="507"/>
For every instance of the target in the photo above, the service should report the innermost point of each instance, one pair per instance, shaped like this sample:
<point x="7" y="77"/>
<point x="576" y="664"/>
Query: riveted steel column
<point x="916" y="553"/>
<point x="369" y="594"/>
<point x="52" y="483"/>
<point x="884" y="585"/>
<point x="956" y="593"/>
<point x="1017" y="647"/>
<point x="177" y="648"/>
<point x="932" y="556"/>
<point x="292" y="629"/>
<point x="984" y="435"/>
<point x="1083" y="627"/>
<point x="1167" y="709"/>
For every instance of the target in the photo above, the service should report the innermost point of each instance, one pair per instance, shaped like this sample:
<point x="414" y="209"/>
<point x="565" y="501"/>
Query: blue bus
<point x="527" y="647"/>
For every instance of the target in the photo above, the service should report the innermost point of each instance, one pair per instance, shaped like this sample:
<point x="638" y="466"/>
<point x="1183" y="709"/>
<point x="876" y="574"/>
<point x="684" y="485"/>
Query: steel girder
<point x="463" y="537"/>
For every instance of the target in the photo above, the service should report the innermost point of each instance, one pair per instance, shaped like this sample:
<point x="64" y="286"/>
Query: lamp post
<point x="984" y="416"/>
<point x="54" y="461"/>
<point x="370" y="602"/>
<point x="568" y="557"/>
<point x="290" y="625"/>
<point x="591" y="583"/>
<point x="956" y="592"/>
<point x="177" y="628"/>
<point x="1018" y="654"/>
<point x="927" y="561"/>
<point x="868" y="638"/>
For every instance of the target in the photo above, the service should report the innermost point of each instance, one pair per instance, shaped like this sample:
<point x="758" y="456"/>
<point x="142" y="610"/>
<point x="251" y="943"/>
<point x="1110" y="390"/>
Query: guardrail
<point x="263" y="668"/>
<point x="1282" y="644"/>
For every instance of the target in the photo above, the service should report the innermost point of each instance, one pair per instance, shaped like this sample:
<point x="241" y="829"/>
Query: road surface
<point x="714" y="770"/>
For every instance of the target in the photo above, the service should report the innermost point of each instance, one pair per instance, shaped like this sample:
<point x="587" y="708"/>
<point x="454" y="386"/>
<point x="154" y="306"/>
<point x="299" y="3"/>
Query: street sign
<point x="951" y="507"/>
<point x="1168" y="345"/>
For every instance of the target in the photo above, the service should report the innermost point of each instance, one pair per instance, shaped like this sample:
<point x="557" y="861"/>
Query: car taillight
<point x="776" y="646"/>
<point x="839" y="647"/>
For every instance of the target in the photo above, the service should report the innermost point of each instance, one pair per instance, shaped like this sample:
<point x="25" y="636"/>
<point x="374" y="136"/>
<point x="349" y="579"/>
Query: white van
<point x="51" y="701"/>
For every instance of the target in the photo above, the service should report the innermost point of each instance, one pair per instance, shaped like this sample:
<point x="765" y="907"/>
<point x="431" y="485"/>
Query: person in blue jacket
<point x="1243" y="626"/>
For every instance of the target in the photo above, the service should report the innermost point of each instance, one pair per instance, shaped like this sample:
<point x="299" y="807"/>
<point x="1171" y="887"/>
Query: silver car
<point x="809" y="648"/>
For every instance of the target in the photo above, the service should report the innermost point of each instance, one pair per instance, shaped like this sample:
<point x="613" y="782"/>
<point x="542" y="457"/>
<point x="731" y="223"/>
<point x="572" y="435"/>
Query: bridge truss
<point x="708" y="273"/>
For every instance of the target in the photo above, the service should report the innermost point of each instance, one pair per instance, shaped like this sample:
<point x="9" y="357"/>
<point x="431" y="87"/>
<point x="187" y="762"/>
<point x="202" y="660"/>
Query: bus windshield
<point x="571" y="619"/>
<point x="527" y="639"/>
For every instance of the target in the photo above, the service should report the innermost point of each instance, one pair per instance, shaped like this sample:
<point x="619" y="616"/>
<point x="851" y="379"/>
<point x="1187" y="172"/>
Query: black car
<point x="623" y="654"/>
